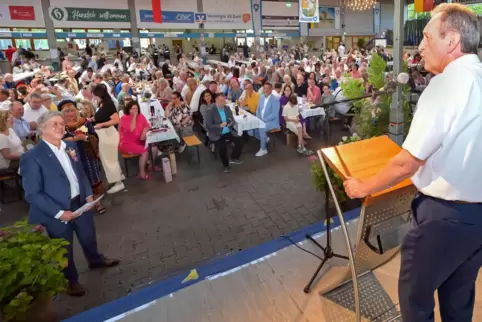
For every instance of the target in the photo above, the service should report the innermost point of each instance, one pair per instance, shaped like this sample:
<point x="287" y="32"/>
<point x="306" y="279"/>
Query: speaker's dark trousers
<point x="442" y="252"/>
<point x="84" y="228"/>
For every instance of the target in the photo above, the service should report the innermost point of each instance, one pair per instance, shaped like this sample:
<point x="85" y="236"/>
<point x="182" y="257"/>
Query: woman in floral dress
<point x="82" y="132"/>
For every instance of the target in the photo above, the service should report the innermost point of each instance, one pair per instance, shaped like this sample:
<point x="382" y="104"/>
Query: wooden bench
<point x="193" y="141"/>
<point x="126" y="157"/>
<point x="271" y="134"/>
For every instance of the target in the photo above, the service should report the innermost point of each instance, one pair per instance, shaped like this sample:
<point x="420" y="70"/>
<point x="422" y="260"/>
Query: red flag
<point x="156" y="11"/>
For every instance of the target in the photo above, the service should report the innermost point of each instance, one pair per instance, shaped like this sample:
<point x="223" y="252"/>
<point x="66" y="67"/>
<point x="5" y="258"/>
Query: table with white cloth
<point x="192" y="64"/>
<point x="245" y="121"/>
<point x="155" y="137"/>
<point x="54" y="79"/>
<point x="243" y="62"/>
<point x="307" y="112"/>
<point x="162" y="136"/>
<point x="216" y="62"/>
<point x="145" y="107"/>
<point x="21" y="76"/>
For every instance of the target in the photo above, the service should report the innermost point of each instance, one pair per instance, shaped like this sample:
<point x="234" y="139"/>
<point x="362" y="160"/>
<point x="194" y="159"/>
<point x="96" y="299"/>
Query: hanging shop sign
<point x="22" y="12"/>
<point x="309" y="11"/>
<point x="61" y="35"/>
<point x="16" y="13"/>
<point x="281" y="21"/>
<point x="219" y="18"/>
<point x="89" y="14"/>
<point x="168" y="16"/>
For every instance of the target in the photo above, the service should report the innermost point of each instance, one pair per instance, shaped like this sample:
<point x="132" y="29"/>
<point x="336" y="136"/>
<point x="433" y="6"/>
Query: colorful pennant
<point x="156" y="11"/>
<point x="423" y="5"/>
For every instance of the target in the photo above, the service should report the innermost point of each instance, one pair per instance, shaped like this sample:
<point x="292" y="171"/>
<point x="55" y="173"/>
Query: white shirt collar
<point x="54" y="148"/>
<point x="466" y="60"/>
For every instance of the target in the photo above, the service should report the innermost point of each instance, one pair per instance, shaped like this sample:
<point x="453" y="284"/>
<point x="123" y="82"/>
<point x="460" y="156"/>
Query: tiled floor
<point x="159" y="229"/>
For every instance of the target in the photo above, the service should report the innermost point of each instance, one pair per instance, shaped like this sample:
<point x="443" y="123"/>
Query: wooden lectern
<point x="380" y="212"/>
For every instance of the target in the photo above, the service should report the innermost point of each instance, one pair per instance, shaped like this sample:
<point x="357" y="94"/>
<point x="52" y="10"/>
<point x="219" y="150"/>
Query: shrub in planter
<point x="31" y="267"/>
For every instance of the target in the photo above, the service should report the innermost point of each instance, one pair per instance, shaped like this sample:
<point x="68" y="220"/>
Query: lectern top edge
<point x="362" y="160"/>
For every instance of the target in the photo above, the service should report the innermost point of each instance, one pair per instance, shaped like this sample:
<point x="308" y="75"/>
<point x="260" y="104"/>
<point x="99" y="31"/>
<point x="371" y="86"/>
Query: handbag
<point x="91" y="146"/>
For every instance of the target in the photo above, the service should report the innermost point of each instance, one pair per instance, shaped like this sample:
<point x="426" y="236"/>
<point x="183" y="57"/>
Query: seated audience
<point x="292" y="117"/>
<point x="219" y="123"/>
<point x="180" y="116"/>
<point x="268" y="112"/>
<point x="235" y="92"/>
<point x="133" y="130"/>
<point x="249" y="100"/>
<point x="34" y="108"/>
<point x="11" y="147"/>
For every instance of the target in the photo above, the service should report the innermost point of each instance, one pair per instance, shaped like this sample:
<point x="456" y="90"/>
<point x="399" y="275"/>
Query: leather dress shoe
<point x="106" y="262"/>
<point x="75" y="290"/>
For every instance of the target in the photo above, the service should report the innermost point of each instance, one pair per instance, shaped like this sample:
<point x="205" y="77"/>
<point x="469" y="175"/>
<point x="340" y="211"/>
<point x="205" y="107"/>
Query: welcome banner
<point x="89" y="14"/>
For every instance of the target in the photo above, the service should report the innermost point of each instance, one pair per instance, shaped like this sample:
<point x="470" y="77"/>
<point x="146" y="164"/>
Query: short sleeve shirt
<point x="10" y="142"/>
<point x="446" y="132"/>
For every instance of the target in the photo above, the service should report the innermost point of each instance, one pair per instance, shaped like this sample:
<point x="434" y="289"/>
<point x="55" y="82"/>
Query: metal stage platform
<point x="270" y="288"/>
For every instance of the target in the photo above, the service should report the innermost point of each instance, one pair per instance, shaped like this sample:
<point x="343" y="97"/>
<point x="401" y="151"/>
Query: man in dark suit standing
<point x="55" y="186"/>
<point x="219" y="122"/>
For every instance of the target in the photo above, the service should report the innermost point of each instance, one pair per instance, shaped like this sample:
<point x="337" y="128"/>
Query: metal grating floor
<point x="375" y="304"/>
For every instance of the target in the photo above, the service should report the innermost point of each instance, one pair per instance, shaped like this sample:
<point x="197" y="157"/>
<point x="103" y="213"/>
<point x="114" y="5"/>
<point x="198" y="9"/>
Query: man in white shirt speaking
<point x="442" y="154"/>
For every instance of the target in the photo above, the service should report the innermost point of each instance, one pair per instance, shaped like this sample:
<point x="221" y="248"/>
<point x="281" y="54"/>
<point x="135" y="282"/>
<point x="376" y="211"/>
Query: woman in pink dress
<point x="133" y="128"/>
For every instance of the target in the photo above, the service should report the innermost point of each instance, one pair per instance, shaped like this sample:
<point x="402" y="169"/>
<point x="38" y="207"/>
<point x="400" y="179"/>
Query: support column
<point x="396" y="126"/>
<point x="202" y="45"/>
<point x="51" y="37"/>
<point x="135" y="40"/>
<point x="257" y="22"/>
<point x="342" y="21"/>
<point x="377" y="18"/>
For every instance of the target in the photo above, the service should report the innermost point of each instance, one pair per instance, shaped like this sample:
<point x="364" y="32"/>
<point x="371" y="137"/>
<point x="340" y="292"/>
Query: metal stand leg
<point x="327" y="250"/>
<point x="347" y="241"/>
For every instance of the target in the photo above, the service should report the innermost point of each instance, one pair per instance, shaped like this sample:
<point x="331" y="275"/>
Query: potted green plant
<point x="31" y="267"/>
<point x="372" y="116"/>
<point x="318" y="177"/>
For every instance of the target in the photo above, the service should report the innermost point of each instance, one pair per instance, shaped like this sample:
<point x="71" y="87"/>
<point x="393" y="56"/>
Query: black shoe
<point x="236" y="161"/>
<point x="75" y="290"/>
<point x="105" y="263"/>
<point x="227" y="169"/>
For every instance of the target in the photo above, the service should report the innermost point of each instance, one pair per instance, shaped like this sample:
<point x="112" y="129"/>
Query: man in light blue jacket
<point x="268" y="112"/>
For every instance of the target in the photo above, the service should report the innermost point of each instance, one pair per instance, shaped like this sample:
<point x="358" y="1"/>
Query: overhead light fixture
<point x="359" y="5"/>
<point x="288" y="5"/>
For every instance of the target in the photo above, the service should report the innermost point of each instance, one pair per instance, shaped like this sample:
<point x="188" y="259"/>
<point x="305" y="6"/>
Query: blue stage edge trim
<point x="217" y="266"/>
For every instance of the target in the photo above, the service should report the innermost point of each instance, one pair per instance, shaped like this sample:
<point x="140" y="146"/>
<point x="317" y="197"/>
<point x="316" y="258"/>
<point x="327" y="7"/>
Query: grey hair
<point x="462" y="20"/>
<point x="44" y="118"/>
<point x="35" y="95"/>
<point x="13" y="103"/>
<point x="164" y="81"/>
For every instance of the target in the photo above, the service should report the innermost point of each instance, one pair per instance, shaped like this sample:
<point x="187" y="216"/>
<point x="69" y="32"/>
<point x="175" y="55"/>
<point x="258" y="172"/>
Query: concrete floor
<point x="160" y="229"/>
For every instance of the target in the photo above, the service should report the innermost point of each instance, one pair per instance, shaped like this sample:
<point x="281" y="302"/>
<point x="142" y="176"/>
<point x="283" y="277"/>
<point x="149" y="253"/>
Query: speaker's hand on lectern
<point x="355" y="188"/>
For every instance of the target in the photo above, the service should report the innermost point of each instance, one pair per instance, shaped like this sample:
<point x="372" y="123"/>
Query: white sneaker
<point x="119" y="186"/>
<point x="261" y="153"/>
<point x="181" y="148"/>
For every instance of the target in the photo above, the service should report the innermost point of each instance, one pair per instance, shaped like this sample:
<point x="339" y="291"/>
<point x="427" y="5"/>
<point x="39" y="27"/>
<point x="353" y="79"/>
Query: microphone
<point x="402" y="79"/>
